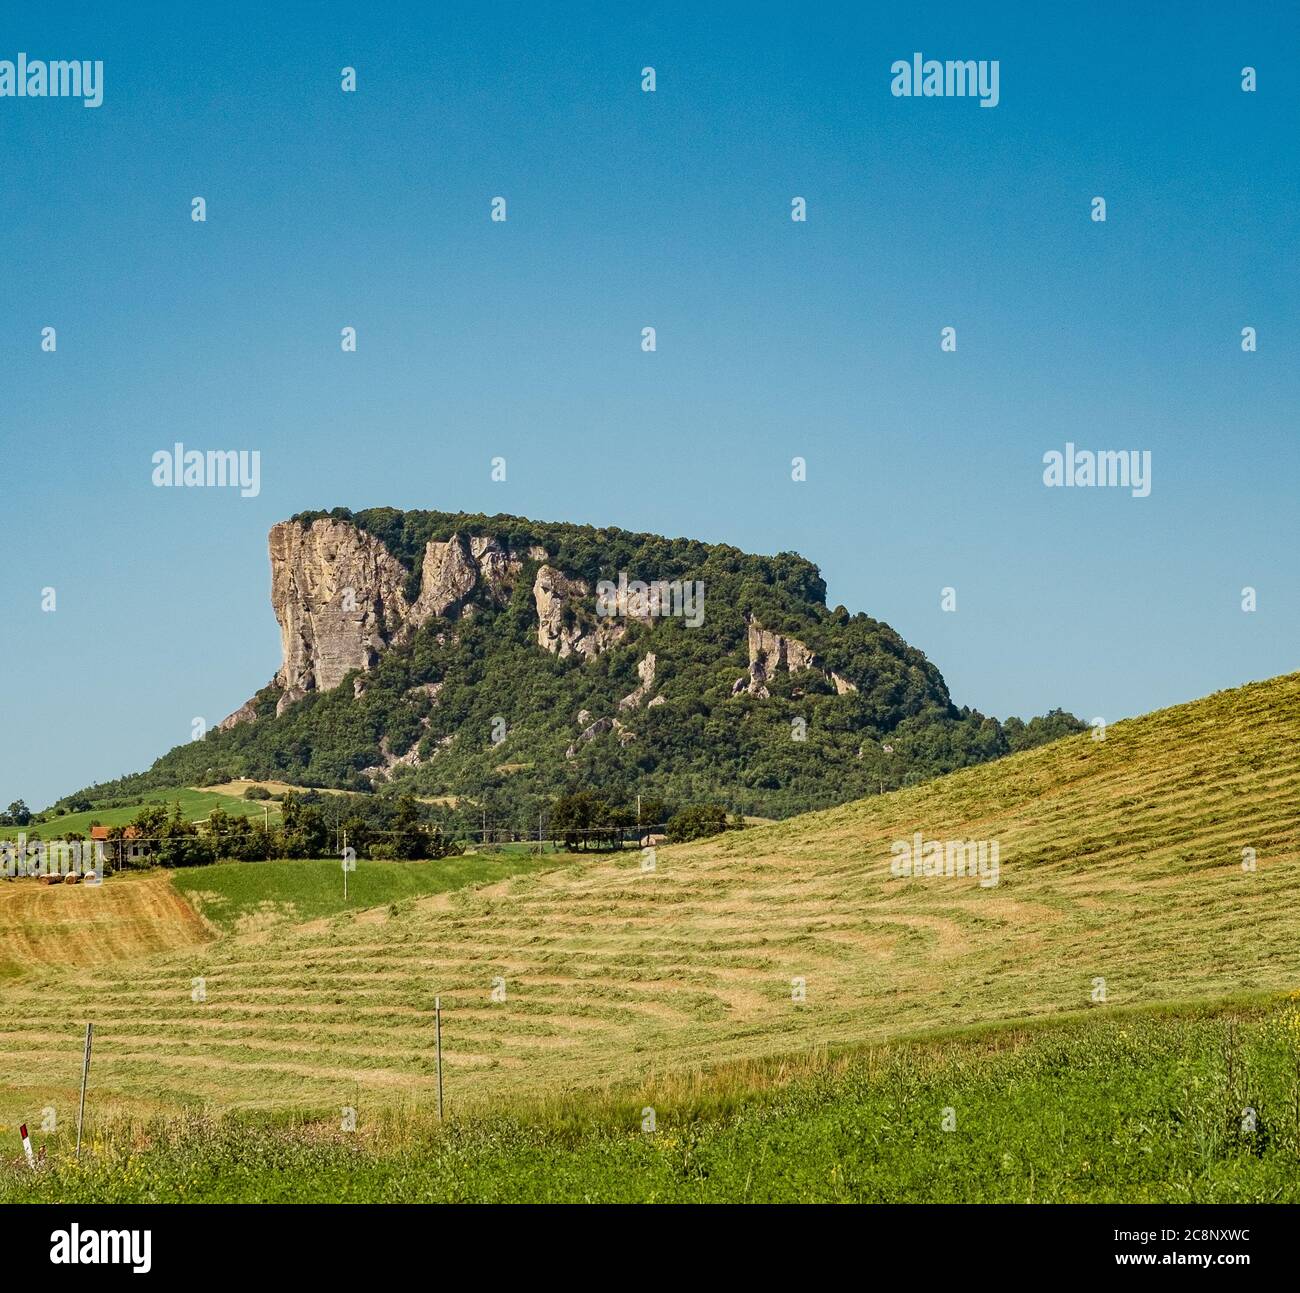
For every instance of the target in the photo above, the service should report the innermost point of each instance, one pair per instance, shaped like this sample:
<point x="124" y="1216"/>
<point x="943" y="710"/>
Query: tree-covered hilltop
<point x="472" y="706"/>
<point x="786" y="582"/>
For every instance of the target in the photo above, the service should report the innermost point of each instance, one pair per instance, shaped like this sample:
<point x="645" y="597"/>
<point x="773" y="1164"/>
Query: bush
<point x="257" y="792"/>
<point x="697" y="823"/>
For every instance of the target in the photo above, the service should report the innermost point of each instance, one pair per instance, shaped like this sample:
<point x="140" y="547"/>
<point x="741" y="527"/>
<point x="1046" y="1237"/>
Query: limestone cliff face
<point x="560" y="628"/>
<point x="337" y="593"/>
<point x="448" y="576"/>
<point x="453" y="570"/>
<point x="340" y="598"/>
<point x="770" y="653"/>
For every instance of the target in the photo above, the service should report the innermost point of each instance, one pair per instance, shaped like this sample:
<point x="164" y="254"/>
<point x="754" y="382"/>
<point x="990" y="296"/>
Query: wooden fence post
<point x="85" y="1073"/>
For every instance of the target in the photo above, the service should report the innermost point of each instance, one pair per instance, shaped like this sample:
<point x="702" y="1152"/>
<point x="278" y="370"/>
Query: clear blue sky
<point x="669" y="209"/>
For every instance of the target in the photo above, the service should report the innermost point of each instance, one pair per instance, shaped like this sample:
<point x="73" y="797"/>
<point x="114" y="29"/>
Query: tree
<point x="618" y="821"/>
<point x="234" y="837"/>
<point x="575" y="817"/>
<point x="357" y="832"/>
<point x="18" y="814"/>
<point x="304" y="832"/>
<point x="410" y="840"/>
<point x="654" y="812"/>
<point x="180" y="844"/>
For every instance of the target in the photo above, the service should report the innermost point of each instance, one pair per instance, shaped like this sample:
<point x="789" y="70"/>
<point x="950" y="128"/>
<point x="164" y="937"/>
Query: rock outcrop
<point x="646" y="672"/>
<point x="561" y="627"/>
<point x="447" y="577"/>
<point x="589" y="734"/>
<point x="244" y="714"/>
<point x="411" y="759"/>
<point x="770" y="653"/>
<point x="341" y="600"/>
<point x="452" y="571"/>
<point x="498" y="566"/>
<point x="601" y="725"/>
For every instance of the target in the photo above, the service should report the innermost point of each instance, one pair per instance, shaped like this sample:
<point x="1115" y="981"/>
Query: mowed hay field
<point x="1120" y="860"/>
<point x="68" y="927"/>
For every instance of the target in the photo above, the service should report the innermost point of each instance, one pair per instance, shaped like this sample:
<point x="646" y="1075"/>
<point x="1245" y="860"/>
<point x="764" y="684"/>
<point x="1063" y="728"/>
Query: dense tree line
<point x="312" y="826"/>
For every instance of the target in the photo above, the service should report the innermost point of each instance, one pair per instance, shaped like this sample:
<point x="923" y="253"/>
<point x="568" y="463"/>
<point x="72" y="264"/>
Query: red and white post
<point x="27" y="1147"/>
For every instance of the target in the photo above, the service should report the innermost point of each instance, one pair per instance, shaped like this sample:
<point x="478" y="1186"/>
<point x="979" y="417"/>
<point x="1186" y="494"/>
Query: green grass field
<point x="1121" y="1106"/>
<point x="236" y="897"/>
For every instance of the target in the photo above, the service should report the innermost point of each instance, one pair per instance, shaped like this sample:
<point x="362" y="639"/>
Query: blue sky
<point x="670" y="210"/>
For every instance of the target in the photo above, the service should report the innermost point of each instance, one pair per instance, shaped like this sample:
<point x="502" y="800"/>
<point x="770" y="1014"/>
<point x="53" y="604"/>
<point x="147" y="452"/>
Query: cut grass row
<point x="77" y="928"/>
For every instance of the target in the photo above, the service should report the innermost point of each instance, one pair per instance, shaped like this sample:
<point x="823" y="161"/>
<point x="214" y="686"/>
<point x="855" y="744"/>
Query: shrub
<point x="696" y="823"/>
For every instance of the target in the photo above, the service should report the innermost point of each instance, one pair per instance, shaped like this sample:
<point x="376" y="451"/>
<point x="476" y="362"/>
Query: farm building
<point x="120" y="852"/>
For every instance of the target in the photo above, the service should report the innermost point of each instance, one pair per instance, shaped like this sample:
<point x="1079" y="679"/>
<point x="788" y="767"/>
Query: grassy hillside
<point x="195" y="806"/>
<point x="1127" y="1106"/>
<point x="1120" y="859"/>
